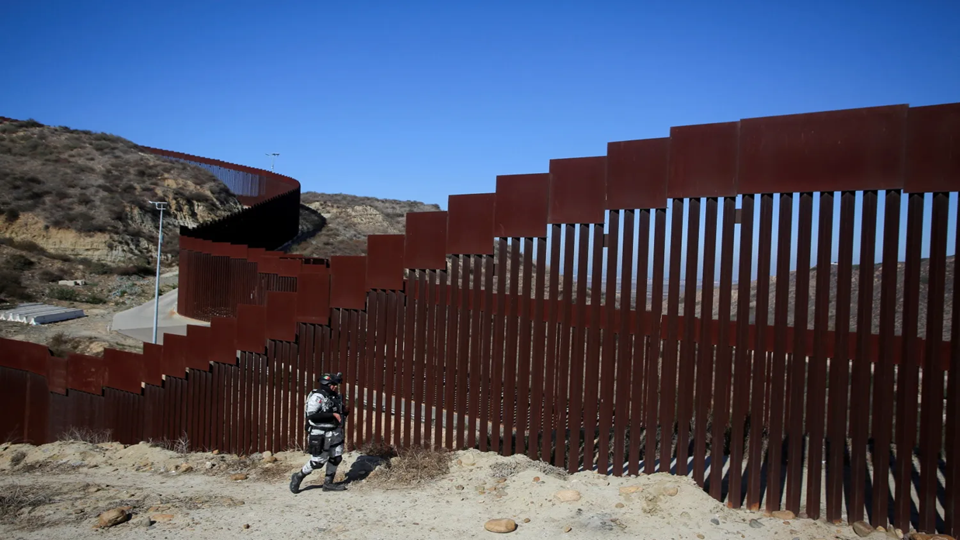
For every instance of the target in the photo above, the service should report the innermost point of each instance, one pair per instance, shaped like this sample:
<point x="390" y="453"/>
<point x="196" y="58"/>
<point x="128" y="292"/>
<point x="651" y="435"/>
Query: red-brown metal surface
<point x="704" y="352"/>
<point x="908" y="372"/>
<point x="537" y="359"/>
<point x="419" y="359"/>
<point x="932" y="149"/>
<point x="624" y="350"/>
<point x="798" y="371"/>
<point x="668" y="374"/>
<point x="348" y="287"/>
<point x="658" y="221"/>
<point x="475" y="378"/>
<point x="685" y="389"/>
<point x="496" y="392"/>
<point x="486" y="361"/>
<point x="760" y="357"/>
<point x="637" y="173"/>
<point x="385" y="261"/>
<point x="426" y="240"/>
<point x="550" y="428"/>
<point x="470" y="224"/>
<point x="639" y="382"/>
<point x="952" y="500"/>
<point x="852" y="149"/>
<point x="577" y="190"/>
<point x="578" y="352"/>
<point x="816" y="393"/>
<point x="592" y="358"/>
<point x="839" y="364"/>
<point x="521" y="205"/>
<point x="453" y="351"/>
<point x="932" y="420"/>
<point x="510" y="355"/>
<point x="463" y="358"/>
<point x="779" y="357"/>
<point x="703" y="160"/>
<point x="523" y="344"/>
<point x="861" y="381"/>
<point x="608" y="352"/>
<point x="251" y="328"/>
<point x="440" y="345"/>
<point x="741" y="370"/>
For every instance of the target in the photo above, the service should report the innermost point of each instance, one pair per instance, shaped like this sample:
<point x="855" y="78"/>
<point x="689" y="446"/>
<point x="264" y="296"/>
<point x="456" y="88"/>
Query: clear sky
<point x="417" y="100"/>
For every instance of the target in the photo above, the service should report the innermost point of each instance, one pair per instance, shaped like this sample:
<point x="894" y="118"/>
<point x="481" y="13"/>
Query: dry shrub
<point x="378" y="449"/>
<point x="62" y="345"/>
<point x="15" y="498"/>
<point x="414" y="465"/>
<point x="84" y="434"/>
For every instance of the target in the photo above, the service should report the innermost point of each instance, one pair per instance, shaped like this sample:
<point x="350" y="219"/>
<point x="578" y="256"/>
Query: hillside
<point x="348" y="219"/>
<point x="80" y="194"/>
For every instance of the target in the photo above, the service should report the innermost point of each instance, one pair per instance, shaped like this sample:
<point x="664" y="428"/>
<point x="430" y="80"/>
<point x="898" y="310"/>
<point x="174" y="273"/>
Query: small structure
<point x="72" y="282"/>
<point x="36" y="314"/>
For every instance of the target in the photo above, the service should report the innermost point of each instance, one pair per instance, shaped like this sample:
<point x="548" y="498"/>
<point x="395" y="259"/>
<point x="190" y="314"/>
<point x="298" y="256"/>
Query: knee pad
<point x="335" y="461"/>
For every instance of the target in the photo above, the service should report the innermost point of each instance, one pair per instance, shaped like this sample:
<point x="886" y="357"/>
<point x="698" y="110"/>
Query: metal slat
<point x="624" y="351"/>
<point x="592" y="363"/>
<point x="741" y="372"/>
<point x="651" y="354"/>
<point x="608" y="353"/>
<point x="523" y="358"/>
<point x="687" y="348"/>
<point x="760" y="371"/>
<point x="578" y="354"/>
<point x="705" y="357"/>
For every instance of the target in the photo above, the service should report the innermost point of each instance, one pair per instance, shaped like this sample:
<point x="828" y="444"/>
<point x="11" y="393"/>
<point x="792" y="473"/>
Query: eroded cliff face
<point x="85" y="195"/>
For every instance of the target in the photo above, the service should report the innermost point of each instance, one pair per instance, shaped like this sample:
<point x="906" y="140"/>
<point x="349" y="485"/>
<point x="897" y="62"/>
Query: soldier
<point x="325" y="413"/>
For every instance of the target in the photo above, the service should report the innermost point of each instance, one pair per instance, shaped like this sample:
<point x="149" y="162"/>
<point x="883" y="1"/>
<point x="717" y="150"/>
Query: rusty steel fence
<point x="768" y="306"/>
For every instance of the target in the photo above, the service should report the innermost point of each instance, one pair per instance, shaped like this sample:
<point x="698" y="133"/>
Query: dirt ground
<point x="58" y="490"/>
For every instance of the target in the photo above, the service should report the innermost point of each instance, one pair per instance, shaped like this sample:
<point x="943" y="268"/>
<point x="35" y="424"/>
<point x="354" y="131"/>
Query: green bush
<point x="11" y="286"/>
<point x="66" y="294"/>
<point x="49" y="276"/>
<point x="20" y="262"/>
<point x="94" y="299"/>
<point x="11" y="215"/>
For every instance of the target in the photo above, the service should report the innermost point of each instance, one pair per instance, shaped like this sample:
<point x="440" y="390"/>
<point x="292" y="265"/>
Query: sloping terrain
<point x="80" y="194"/>
<point x="349" y="219"/>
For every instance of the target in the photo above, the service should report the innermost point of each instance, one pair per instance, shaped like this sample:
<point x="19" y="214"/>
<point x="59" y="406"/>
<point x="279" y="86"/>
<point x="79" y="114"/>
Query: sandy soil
<point x="58" y="490"/>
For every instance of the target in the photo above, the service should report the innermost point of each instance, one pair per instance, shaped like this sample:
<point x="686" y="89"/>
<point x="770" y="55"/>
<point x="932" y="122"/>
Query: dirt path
<point x="58" y="490"/>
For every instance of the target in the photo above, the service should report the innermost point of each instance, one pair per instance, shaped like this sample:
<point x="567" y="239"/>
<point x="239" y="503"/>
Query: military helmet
<point x="330" y="379"/>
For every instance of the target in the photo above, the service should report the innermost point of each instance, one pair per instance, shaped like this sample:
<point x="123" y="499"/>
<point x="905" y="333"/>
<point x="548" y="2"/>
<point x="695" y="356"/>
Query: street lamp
<point x="273" y="159"/>
<point x="159" y="205"/>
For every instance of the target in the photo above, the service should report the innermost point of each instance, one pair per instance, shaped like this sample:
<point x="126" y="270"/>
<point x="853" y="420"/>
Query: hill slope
<point x="349" y="219"/>
<point x="83" y="194"/>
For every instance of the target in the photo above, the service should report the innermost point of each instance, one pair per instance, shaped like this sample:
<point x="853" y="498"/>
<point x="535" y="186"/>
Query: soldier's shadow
<point x="359" y="470"/>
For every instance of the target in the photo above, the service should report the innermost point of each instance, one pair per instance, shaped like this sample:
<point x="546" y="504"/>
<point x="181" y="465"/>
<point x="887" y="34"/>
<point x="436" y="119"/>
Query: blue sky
<point x="420" y="100"/>
<point x="417" y="100"/>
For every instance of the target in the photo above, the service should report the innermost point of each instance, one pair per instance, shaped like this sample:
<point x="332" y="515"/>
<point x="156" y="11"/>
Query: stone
<point x="468" y="460"/>
<point x="215" y="452"/>
<point x="784" y="514"/>
<point x="93" y="489"/>
<point x="270" y="459"/>
<point x="267" y="454"/>
<point x="626" y="490"/>
<point x="671" y="491"/>
<point x="112" y="517"/>
<point x="209" y="465"/>
<point x="459" y="488"/>
<point x="536" y="478"/>
<point x="862" y="528"/>
<point x="186" y="467"/>
<point x="237" y="477"/>
<point x="715" y="521"/>
<point x="700" y="536"/>
<point x="526" y="520"/>
<point x="142" y="521"/>
<point x="161" y="517"/>
<point x="500" y="525"/>
<point x="567" y="495"/>
<point x="567" y="529"/>
<point x="501" y="480"/>
<point x="618" y="505"/>
<point x="755" y="524"/>
<point x="246" y="525"/>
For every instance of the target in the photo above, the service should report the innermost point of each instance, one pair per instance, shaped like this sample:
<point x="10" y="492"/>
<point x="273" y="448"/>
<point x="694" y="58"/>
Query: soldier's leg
<point x="336" y="456"/>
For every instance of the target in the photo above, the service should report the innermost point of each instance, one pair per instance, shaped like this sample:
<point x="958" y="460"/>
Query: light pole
<point x="273" y="159"/>
<point x="159" y="205"/>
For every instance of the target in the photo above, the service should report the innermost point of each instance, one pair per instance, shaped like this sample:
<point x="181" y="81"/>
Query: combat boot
<point x="329" y="485"/>
<point x="295" y="482"/>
